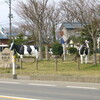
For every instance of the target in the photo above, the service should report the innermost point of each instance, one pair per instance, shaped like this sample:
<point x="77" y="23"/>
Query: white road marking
<point x="28" y="83"/>
<point x="16" y="98"/>
<point x="78" y="87"/>
<point x="9" y="82"/>
<point x="42" y="84"/>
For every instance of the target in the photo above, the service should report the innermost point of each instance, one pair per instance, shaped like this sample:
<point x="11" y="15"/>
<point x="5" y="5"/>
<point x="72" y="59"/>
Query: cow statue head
<point x="87" y="43"/>
<point x="12" y="46"/>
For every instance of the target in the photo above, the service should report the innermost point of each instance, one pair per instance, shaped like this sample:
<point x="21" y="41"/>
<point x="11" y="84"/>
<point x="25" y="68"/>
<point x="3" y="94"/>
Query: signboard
<point x="6" y="56"/>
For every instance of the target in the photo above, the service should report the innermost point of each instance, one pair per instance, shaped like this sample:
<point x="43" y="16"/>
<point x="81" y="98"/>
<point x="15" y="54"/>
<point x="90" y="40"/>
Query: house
<point x="68" y="29"/>
<point x="3" y="41"/>
<point x="71" y="28"/>
<point x="12" y="35"/>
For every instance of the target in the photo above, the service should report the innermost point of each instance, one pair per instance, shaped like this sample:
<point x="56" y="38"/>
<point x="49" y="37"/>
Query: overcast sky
<point x="4" y="12"/>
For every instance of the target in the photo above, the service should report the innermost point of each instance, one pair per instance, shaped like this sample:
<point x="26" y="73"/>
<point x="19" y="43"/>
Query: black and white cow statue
<point x="25" y="50"/>
<point x="84" y="52"/>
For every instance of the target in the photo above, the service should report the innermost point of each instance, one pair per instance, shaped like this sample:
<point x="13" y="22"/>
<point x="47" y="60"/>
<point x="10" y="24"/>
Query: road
<point x="48" y="90"/>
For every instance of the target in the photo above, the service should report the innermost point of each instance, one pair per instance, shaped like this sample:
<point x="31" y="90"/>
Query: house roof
<point x="3" y="36"/>
<point x="7" y="35"/>
<point x="12" y="34"/>
<point x="71" y="25"/>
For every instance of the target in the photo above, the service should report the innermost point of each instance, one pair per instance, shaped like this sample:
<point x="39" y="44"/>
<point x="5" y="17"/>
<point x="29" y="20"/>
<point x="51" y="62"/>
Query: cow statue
<point x="25" y="50"/>
<point x="84" y="52"/>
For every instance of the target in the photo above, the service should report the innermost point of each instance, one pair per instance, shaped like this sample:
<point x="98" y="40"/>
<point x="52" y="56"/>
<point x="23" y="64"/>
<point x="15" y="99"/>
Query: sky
<point x="4" y="12"/>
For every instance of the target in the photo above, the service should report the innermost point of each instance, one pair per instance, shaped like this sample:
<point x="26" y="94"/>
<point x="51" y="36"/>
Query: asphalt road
<point x="48" y="90"/>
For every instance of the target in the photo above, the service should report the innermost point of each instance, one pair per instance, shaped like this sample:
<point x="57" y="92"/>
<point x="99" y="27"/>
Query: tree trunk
<point x="40" y="53"/>
<point x="56" y="62"/>
<point x="94" y="52"/>
<point x="54" y="37"/>
<point x="40" y="45"/>
<point x="46" y="52"/>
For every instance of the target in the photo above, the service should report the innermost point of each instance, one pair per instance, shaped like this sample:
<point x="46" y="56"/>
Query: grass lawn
<point x="68" y="68"/>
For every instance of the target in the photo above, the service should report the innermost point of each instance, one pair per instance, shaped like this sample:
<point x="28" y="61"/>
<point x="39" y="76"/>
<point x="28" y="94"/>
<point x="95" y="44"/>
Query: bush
<point x="72" y="50"/>
<point x="57" y="49"/>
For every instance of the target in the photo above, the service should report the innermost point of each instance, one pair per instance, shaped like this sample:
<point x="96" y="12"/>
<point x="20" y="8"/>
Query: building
<point x="72" y="28"/>
<point x="3" y="41"/>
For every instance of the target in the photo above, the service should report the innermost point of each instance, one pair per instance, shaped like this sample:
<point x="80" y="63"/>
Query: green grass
<point x="67" y="68"/>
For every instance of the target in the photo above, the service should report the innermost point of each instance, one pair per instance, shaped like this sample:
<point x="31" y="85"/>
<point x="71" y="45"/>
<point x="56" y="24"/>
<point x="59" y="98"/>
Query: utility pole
<point x="10" y="17"/>
<point x="10" y="30"/>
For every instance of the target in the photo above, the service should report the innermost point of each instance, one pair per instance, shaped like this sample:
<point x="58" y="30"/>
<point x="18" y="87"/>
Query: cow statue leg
<point x="81" y="57"/>
<point x="37" y="55"/>
<point x="86" y="59"/>
<point x="21" y="57"/>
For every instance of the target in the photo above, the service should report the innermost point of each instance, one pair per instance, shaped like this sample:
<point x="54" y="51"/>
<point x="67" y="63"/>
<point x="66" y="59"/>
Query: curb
<point x="66" y="78"/>
<point x="94" y="79"/>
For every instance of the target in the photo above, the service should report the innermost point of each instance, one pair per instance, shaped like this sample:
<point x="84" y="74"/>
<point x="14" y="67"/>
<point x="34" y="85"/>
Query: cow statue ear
<point x="13" y="41"/>
<point x="86" y="41"/>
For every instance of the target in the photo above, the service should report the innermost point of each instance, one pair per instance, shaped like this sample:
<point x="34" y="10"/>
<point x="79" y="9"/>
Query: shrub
<point x="72" y="50"/>
<point x="57" y="49"/>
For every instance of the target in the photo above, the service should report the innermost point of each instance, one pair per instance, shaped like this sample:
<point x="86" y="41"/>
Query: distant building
<point x="12" y="35"/>
<point x="72" y="28"/>
<point x="4" y="40"/>
<point x="67" y="30"/>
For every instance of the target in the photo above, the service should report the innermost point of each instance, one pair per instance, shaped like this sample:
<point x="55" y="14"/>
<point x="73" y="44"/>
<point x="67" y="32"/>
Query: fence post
<point x="56" y="61"/>
<point x="21" y="64"/>
<point x="36" y="64"/>
<point x="78" y="63"/>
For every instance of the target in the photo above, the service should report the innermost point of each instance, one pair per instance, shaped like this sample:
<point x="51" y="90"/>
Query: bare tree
<point x="55" y="18"/>
<point x="51" y="22"/>
<point x="42" y="19"/>
<point x="86" y="13"/>
<point x="33" y="12"/>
